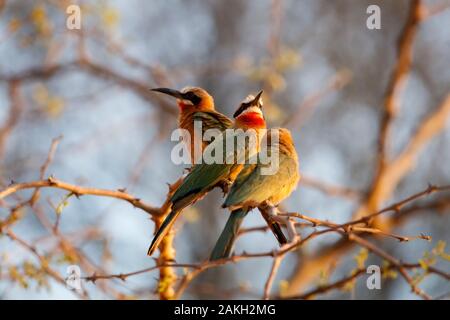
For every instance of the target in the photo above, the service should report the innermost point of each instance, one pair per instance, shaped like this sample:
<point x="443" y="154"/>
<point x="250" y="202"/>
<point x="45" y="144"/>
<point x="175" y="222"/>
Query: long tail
<point x="162" y="231"/>
<point x="276" y="230"/>
<point x="225" y="243"/>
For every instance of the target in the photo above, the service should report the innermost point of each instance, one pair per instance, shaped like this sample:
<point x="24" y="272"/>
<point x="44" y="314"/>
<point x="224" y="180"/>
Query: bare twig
<point x="275" y="266"/>
<point x="79" y="191"/>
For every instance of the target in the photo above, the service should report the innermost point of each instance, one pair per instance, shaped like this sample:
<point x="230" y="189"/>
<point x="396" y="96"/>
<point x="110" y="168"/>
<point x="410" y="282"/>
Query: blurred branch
<point x="306" y="108"/>
<point x="428" y="12"/>
<point x="38" y="73"/>
<point x="276" y="19"/>
<point x="393" y="172"/>
<point x="392" y="260"/>
<point x="43" y="261"/>
<point x="79" y="191"/>
<point x="15" y="109"/>
<point x="50" y="155"/>
<point x="273" y="271"/>
<point x="307" y="271"/>
<point x="343" y="229"/>
<point x="388" y="172"/>
<point x="96" y="70"/>
<point x="398" y="79"/>
<point x="140" y="88"/>
<point x="63" y="245"/>
<point x="339" y="284"/>
<point x="331" y="190"/>
<point x="329" y="287"/>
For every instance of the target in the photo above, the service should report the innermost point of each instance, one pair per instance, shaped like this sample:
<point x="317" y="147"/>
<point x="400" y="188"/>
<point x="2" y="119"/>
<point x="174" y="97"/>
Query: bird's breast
<point x="251" y="120"/>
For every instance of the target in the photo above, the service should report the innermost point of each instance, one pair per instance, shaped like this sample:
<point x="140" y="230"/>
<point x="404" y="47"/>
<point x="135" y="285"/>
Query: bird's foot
<point x="225" y="186"/>
<point x="188" y="170"/>
<point x="287" y="221"/>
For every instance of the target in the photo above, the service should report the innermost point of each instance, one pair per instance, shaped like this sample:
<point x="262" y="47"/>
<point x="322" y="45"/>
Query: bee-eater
<point x="196" y="104"/>
<point x="252" y="189"/>
<point x="204" y="177"/>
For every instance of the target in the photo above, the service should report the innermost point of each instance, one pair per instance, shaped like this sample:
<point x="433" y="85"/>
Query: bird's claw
<point x="188" y="170"/>
<point x="225" y="186"/>
<point x="287" y="221"/>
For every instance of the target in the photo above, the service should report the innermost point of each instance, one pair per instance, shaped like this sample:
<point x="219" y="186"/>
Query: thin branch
<point x="304" y="110"/>
<point x="331" y="190"/>
<point x="79" y="191"/>
<point x="397" y="263"/>
<point x="15" y="110"/>
<point x="275" y="266"/>
<point x="397" y="82"/>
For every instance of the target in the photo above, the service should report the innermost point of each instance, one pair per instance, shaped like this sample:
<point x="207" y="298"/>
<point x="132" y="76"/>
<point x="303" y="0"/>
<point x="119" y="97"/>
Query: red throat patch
<point x="252" y="119"/>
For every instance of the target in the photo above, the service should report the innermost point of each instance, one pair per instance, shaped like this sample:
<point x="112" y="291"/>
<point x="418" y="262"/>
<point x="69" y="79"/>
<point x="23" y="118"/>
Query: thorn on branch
<point x="431" y="188"/>
<point x="73" y="193"/>
<point x="51" y="180"/>
<point x="92" y="278"/>
<point x="425" y="237"/>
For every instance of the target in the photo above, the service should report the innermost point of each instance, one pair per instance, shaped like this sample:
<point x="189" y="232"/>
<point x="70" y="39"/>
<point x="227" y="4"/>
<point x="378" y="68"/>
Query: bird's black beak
<point x="258" y="100"/>
<point x="171" y="92"/>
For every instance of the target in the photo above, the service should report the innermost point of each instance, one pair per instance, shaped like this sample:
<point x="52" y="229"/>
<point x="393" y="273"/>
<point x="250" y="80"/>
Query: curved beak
<point x="171" y="92"/>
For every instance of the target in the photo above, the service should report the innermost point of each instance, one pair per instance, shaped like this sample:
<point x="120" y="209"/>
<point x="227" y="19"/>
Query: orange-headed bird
<point x="197" y="105"/>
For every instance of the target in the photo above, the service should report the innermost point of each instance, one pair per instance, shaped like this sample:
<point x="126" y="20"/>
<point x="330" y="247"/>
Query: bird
<point x="196" y="104"/>
<point x="252" y="189"/>
<point x="204" y="177"/>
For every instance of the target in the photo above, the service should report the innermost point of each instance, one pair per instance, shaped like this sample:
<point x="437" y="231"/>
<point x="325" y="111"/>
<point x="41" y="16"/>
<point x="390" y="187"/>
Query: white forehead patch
<point x="251" y="97"/>
<point x="186" y="89"/>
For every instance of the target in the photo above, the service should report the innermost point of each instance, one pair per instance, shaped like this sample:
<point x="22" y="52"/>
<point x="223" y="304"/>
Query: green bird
<point x="204" y="177"/>
<point x="253" y="189"/>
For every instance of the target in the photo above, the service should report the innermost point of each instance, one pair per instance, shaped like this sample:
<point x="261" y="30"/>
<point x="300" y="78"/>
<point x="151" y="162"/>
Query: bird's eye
<point x="193" y="98"/>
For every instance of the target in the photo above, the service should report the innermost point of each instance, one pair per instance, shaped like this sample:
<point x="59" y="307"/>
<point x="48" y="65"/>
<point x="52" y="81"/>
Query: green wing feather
<point x="213" y="120"/>
<point x="200" y="180"/>
<point x="203" y="177"/>
<point x="252" y="186"/>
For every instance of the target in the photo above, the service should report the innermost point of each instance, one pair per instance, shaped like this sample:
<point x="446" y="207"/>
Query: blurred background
<point x="325" y="76"/>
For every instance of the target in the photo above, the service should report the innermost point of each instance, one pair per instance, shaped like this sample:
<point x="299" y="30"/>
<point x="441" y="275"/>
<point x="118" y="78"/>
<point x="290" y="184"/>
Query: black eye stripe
<point x="241" y="109"/>
<point x="192" y="97"/>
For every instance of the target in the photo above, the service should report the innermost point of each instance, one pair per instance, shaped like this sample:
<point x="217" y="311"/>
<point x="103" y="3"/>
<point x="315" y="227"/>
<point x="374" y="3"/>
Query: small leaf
<point x="283" y="286"/>
<point x="361" y="258"/>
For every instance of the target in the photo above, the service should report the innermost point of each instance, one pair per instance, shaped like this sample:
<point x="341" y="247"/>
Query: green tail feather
<point x="162" y="231"/>
<point x="225" y="243"/>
